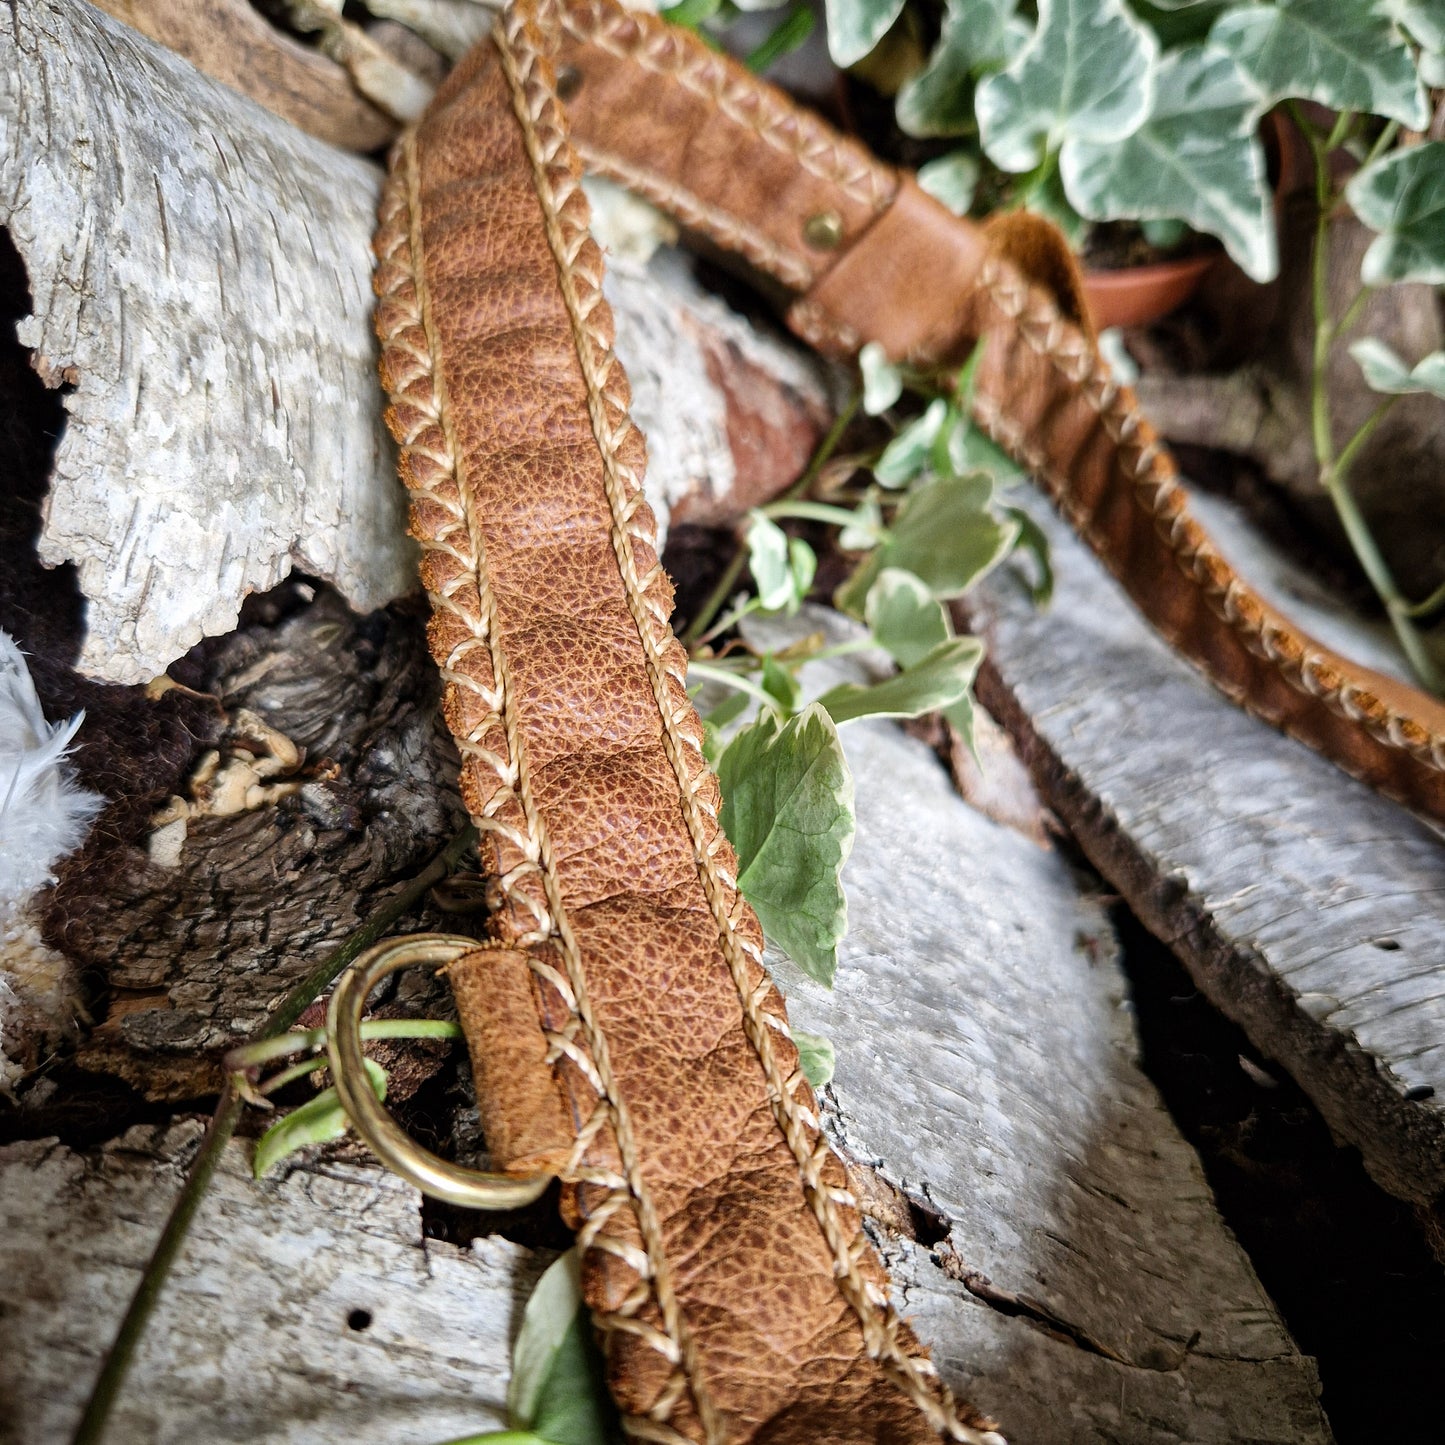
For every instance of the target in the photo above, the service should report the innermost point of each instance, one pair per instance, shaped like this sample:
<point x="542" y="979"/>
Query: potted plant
<point x="1105" y="111"/>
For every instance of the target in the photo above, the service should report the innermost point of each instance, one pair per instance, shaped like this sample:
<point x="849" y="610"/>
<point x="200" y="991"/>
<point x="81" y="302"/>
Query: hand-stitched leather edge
<point x="455" y="577"/>
<point x="665" y="50"/>
<point x="428" y="463"/>
<point x="1350" y="693"/>
<point x="522" y="48"/>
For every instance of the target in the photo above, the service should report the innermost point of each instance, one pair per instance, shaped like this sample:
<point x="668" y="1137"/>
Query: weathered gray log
<point x="307" y="1308"/>
<point x="201" y="274"/>
<point x="1308" y="909"/>
<point x="988" y="1062"/>
<point x="1086" y="1290"/>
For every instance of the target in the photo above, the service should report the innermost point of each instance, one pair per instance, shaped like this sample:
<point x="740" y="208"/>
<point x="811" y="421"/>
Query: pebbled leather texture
<point x="642" y="91"/>
<point x="723" y="1256"/>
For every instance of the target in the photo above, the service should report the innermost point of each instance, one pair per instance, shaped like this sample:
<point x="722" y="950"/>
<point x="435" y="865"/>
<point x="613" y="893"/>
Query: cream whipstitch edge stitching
<point x="726" y="229"/>
<point x="398" y="250"/>
<point x="816" y="148"/>
<point x="914" y="1374"/>
<point x="1044" y="330"/>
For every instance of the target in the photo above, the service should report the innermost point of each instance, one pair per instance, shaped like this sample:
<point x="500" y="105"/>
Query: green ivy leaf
<point x="780" y="685"/>
<point x="978" y="453"/>
<point x="951" y="180"/>
<point x="1384" y="371"/>
<point x="935" y="682"/>
<point x="907" y="454"/>
<point x="905" y="618"/>
<point x="788" y="812"/>
<point x="945" y="533"/>
<point x="856" y="26"/>
<point x="815" y="1057"/>
<point x="1424" y="19"/>
<point x="1402" y="196"/>
<point x="783" y="568"/>
<point x="556" y="1390"/>
<point x="1346" y="54"/>
<point x="1087" y="74"/>
<point x="882" y="381"/>
<point x="1195" y="158"/>
<point x="978" y="36"/>
<point x="1033" y="540"/>
<point x="318" y="1121"/>
<point x="908" y="622"/>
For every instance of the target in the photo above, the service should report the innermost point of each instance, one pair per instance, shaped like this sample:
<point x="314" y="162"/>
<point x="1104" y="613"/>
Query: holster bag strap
<point x="623" y="1028"/>
<point x="874" y="258"/>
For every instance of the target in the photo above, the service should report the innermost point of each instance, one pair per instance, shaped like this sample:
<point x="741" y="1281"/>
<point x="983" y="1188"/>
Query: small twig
<point x="111" y="1379"/>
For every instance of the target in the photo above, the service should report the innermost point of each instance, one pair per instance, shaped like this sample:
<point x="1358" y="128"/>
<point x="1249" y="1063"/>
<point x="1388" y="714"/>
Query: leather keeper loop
<point x="527" y="1127"/>
<point x="898" y="284"/>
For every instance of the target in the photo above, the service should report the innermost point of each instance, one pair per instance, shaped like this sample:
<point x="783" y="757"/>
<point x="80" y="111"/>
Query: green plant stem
<point x="1383" y="142"/>
<point x="111" y="1379"/>
<point x="1334" y="468"/>
<point x="810" y="512"/>
<point x="1431" y="605"/>
<point x="708" y="673"/>
<point x="718" y="597"/>
<point x="250" y="1056"/>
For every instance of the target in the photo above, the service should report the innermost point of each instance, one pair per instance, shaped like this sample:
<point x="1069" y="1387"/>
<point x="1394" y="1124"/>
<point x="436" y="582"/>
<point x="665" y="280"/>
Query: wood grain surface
<point x="1308" y="909"/>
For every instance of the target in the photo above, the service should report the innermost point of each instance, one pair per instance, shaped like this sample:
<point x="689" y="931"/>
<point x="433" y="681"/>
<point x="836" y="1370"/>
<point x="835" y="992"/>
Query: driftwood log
<point x="309" y="1308"/>
<point x="201" y="279"/>
<point x="1048" y="1228"/>
<point x="1308" y="909"/>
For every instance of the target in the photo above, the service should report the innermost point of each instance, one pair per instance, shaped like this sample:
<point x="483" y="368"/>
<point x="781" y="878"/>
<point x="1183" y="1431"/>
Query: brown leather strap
<point x="732" y="157"/>
<point x="723" y="1256"/>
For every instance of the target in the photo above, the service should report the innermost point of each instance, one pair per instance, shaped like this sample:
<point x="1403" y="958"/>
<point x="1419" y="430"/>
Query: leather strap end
<point x="527" y="1126"/>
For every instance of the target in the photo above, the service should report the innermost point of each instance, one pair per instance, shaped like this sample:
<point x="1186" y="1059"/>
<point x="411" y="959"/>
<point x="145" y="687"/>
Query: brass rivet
<point x="824" y="231"/>
<point x="569" y="82"/>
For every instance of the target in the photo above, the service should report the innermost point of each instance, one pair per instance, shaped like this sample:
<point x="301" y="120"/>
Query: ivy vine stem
<point x="1334" y="467"/>
<point x="717" y="599"/>
<point x="222" y="1127"/>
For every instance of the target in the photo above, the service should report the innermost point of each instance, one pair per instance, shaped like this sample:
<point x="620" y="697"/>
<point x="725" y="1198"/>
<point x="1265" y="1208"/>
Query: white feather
<point x="44" y="814"/>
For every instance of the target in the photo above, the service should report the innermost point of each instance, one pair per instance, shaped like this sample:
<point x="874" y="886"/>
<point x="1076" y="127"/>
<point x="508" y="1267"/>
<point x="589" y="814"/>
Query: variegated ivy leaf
<point x="978" y="36"/>
<point x="945" y="533"/>
<point x="816" y="1057"/>
<point x="782" y="566"/>
<point x="907" y="454"/>
<point x="1088" y="73"/>
<point x="556" y="1391"/>
<point x="934" y="682"/>
<point x="1424" y="19"/>
<point x="951" y="179"/>
<point x="856" y="26"/>
<point x="882" y="381"/>
<point x="788" y="812"/>
<point x="1384" y="371"/>
<point x="1195" y="158"/>
<point x="1402" y="196"/>
<point x="1347" y="54"/>
<point x="908" y="622"/>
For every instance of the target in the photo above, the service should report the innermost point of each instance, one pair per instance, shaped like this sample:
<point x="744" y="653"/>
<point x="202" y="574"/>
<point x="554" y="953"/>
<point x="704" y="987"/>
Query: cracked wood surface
<point x="1308" y="909"/>
<point x="201" y="276"/>
<point x="256" y="1336"/>
<point x="987" y="1062"/>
